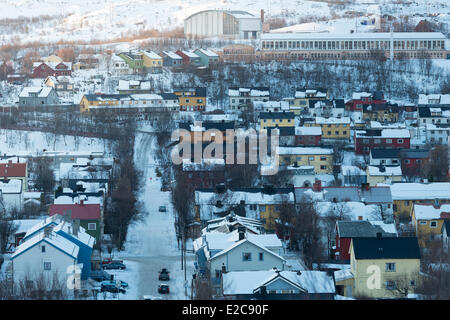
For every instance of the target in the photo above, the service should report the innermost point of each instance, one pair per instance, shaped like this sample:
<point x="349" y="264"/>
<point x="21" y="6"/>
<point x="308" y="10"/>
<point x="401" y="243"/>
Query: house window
<point x="92" y="226"/>
<point x="423" y="222"/>
<point x="388" y="140"/>
<point x="390" y="285"/>
<point x="399" y="140"/>
<point x="47" y="266"/>
<point x="43" y="248"/>
<point x="433" y="224"/>
<point x="261" y="256"/>
<point x="323" y="158"/>
<point x="246" y="256"/>
<point x="311" y="158"/>
<point x="390" y="267"/>
<point x="323" y="167"/>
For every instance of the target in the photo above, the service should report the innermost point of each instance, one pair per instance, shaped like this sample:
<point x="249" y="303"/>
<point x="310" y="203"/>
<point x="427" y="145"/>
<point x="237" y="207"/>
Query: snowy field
<point x="84" y="19"/>
<point x="31" y="142"/>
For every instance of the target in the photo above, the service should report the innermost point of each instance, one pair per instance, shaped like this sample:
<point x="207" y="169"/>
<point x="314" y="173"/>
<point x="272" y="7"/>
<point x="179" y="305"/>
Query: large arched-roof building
<point x="224" y="24"/>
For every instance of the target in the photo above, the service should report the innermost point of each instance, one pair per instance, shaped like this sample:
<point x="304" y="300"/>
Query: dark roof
<point x="424" y="112"/>
<point x="381" y="107"/>
<point x="359" y="229"/>
<point x="339" y="103"/>
<point x="168" y="96"/>
<point x="276" y="115"/>
<point x="415" y="153"/>
<point x="221" y="126"/>
<point x="386" y="248"/>
<point x="284" y="131"/>
<point x="378" y="153"/>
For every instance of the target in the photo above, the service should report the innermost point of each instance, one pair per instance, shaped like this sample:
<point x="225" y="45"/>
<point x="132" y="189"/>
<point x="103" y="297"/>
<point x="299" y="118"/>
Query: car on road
<point x="147" y="297"/>
<point x="109" y="260"/>
<point x="164" y="275"/>
<point x="162" y="209"/>
<point x="163" y="289"/>
<point x="114" y="265"/>
<point x="111" y="287"/>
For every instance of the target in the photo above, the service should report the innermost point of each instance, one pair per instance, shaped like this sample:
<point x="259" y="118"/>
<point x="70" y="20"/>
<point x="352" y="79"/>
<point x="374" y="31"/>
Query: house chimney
<point x="241" y="232"/>
<point x="317" y="186"/>
<point x="48" y="232"/>
<point x="224" y="268"/>
<point x="379" y="235"/>
<point x="81" y="202"/>
<point x="382" y="168"/>
<point x="262" y="15"/>
<point x="76" y="227"/>
<point x="360" y="218"/>
<point x="365" y="186"/>
<point x="436" y="204"/>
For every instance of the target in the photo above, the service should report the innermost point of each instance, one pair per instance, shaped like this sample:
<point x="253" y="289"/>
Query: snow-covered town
<point x="224" y="150"/>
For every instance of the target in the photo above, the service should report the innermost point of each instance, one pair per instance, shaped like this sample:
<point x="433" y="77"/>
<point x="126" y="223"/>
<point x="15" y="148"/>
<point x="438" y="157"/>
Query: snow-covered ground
<point x="152" y="245"/>
<point x="107" y="19"/>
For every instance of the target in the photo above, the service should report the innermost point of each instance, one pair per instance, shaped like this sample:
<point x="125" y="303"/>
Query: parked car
<point x="163" y="289"/>
<point x="164" y="275"/>
<point x="114" y="265"/>
<point x="162" y="209"/>
<point x="109" y="260"/>
<point x="101" y="275"/>
<point x="123" y="284"/>
<point x="111" y="287"/>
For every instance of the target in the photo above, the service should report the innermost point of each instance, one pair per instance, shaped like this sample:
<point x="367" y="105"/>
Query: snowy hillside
<point x="106" y="19"/>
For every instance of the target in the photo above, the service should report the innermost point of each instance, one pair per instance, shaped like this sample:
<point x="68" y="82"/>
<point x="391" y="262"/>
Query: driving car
<point x="164" y="275"/>
<point x="162" y="209"/>
<point x="114" y="265"/>
<point x="123" y="284"/>
<point x="163" y="289"/>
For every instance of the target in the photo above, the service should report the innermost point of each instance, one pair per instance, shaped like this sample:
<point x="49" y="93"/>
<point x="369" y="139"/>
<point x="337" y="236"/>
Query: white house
<point x="45" y="254"/>
<point x="11" y="195"/>
<point x="118" y="66"/>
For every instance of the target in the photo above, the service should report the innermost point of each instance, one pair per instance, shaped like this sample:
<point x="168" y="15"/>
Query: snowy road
<point x="152" y="244"/>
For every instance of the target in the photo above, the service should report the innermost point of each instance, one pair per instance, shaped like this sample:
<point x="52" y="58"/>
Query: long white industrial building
<point x="223" y="24"/>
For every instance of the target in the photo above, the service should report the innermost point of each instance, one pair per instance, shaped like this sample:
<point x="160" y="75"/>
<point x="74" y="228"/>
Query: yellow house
<point x="332" y="128"/>
<point x="428" y="220"/>
<point x="383" y="174"/>
<point x="276" y="119"/>
<point x="384" y="267"/>
<point x="380" y="112"/>
<point x="52" y="59"/>
<point x="191" y="99"/>
<point x="320" y="158"/>
<point x="152" y="61"/>
<point x="405" y="195"/>
<point x="104" y="100"/>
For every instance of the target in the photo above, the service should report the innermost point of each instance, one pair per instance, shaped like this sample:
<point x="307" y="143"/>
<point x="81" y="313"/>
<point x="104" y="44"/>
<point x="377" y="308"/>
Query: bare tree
<point x="436" y="168"/>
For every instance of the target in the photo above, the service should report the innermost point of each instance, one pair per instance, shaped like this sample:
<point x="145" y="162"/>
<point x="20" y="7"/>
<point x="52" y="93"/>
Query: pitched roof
<point x="238" y="243"/>
<point x="386" y="248"/>
<point x="353" y="229"/>
<point x="276" y="115"/>
<point x="78" y="211"/>
<point x="13" y="170"/>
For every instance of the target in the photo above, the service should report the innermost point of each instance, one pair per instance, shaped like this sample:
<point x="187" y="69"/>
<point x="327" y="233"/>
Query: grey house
<point x="171" y="59"/>
<point x="38" y="96"/>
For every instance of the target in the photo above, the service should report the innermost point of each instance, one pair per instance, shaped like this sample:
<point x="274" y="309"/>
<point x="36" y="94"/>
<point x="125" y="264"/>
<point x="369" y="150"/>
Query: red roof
<point x="78" y="211"/>
<point x="13" y="170"/>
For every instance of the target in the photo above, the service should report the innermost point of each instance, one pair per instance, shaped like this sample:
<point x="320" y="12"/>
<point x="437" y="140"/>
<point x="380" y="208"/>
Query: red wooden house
<point x="359" y="99"/>
<point x="365" y="140"/>
<point x="308" y="136"/>
<point x="47" y="69"/>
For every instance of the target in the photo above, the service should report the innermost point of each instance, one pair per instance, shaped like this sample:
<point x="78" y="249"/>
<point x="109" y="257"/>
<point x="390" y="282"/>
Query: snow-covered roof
<point x="351" y="209"/>
<point x="11" y="186"/>
<point x="53" y="239"/>
<point x="245" y="282"/>
<point x="388" y="171"/>
<point x="246" y="240"/>
<point x="303" y="151"/>
<point x="23" y="225"/>
<point x="208" y="53"/>
<point x="322" y="120"/>
<point x="431" y="98"/>
<point x="308" y="131"/>
<point x="253" y="92"/>
<point x="204" y="165"/>
<point x="420" y="191"/>
<point x="354" y="36"/>
<point x="81" y="235"/>
<point x="172" y="55"/>
<point x="151" y="55"/>
<point x="190" y="54"/>
<point x="359" y="95"/>
<point x="429" y="212"/>
<point x="41" y="92"/>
